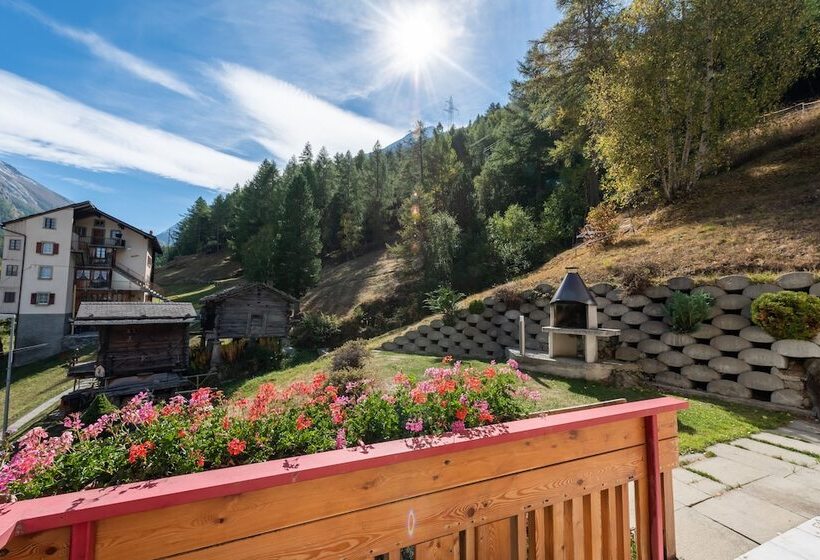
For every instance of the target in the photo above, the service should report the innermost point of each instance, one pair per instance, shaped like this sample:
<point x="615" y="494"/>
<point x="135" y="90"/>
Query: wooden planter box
<point x="542" y="488"/>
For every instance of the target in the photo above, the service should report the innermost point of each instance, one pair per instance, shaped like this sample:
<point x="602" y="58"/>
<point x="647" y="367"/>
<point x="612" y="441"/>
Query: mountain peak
<point x="21" y="195"/>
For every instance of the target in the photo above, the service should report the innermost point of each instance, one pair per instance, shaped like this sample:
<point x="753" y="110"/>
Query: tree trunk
<point x="706" y="115"/>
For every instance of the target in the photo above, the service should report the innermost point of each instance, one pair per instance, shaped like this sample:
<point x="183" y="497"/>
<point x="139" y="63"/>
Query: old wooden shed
<point x="251" y="310"/>
<point x="137" y="337"/>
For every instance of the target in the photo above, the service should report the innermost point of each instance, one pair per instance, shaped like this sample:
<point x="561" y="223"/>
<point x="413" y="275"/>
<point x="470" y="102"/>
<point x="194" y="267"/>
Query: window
<point x="12" y="270"/>
<point x="14" y="244"/>
<point x="9" y="297"/>
<point x="99" y="223"/>
<point x="116" y="234"/>
<point x="50" y="223"/>
<point x="48" y="248"/>
<point x="45" y="272"/>
<point x="81" y="231"/>
<point x="42" y="298"/>
<point x="99" y="252"/>
<point x="82" y="274"/>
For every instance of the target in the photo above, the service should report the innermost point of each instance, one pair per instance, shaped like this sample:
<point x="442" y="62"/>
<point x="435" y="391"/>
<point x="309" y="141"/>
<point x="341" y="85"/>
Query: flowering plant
<point x="144" y="440"/>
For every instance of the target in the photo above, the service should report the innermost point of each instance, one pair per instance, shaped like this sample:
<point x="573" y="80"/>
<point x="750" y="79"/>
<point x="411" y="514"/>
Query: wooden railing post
<point x="82" y="542"/>
<point x="655" y="492"/>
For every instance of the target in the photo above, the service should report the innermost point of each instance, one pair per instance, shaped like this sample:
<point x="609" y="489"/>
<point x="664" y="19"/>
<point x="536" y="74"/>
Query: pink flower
<point x="341" y="438"/>
<point x="512" y="363"/>
<point x="414" y="426"/>
<point x="457" y="427"/>
<point x="72" y="421"/>
<point x="236" y="446"/>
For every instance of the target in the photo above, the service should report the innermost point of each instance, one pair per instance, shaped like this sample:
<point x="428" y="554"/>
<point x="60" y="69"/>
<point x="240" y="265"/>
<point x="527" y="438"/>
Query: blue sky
<point x="142" y="106"/>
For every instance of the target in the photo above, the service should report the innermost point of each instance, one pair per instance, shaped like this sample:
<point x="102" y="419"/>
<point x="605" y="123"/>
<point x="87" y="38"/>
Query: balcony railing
<point x="82" y="243"/>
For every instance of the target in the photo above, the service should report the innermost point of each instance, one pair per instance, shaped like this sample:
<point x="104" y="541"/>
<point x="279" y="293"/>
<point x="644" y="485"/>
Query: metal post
<point x="522" y="335"/>
<point x="8" y="378"/>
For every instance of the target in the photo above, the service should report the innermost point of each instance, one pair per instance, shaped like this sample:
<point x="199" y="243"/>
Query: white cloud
<point x="288" y="116"/>
<point x="89" y="185"/>
<point x="113" y="54"/>
<point x="40" y="123"/>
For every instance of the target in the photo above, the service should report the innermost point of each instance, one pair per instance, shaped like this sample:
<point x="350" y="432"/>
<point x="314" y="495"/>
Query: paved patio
<point x="737" y="496"/>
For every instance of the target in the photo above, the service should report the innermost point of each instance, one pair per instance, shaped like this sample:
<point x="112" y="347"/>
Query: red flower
<point x="485" y="416"/>
<point x="400" y="378"/>
<point x="418" y="396"/>
<point x="461" y="413"/>
<point x="226" y="423"/>
<point x="489" y="373"/>
<point x="182" y="434"/>
<point x="236" y="446"/>
<point x="303" y="422"/>
<point x="139" y="451"/>
<point x="200" y="461"/>
<point x="473" y="383"/>
<point x="447" y="360"/>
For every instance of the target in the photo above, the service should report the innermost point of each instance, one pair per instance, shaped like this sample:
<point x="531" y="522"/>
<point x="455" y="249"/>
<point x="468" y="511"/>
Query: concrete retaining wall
<point x="727" y="355"/>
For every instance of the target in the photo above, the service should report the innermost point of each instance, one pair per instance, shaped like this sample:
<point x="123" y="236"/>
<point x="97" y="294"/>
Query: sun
<point x="415" y="37"/>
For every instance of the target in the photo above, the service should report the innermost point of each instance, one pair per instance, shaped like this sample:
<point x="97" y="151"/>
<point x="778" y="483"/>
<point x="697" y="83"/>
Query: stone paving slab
<point x="793" y="457"/>
<point x="787" y="493"/>
<point x="800" y="543"/>
<point x="751" y="459"/>
<point x="729" y="472"/>
<point x="687" y="494"/>
<point x="784" y="441"/>
<point x="698" y="482"/>
<point x="801" y="429"/>
<point x="755" y="519"/>
<point x="700" y="538"/>
<point x="808" y="478"/>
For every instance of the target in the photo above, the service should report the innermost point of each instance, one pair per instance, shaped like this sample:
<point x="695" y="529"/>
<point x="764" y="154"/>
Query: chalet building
<point x="54" y="260"/>
<point x="251" y="310"/>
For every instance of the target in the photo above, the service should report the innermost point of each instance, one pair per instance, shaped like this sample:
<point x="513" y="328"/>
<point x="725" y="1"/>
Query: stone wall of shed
<point x="727" y="355"/>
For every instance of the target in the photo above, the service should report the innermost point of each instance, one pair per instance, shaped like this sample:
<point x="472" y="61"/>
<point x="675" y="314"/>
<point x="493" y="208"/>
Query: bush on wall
<point x="687" y="311"/>
<point x="787" y="314"/>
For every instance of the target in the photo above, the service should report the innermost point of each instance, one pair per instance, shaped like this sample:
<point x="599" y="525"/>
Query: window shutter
<point x="56" y="248"/>
<point x="40" y="247"/>
<point x="51" y="299"/>
<point x="33" y="299"/>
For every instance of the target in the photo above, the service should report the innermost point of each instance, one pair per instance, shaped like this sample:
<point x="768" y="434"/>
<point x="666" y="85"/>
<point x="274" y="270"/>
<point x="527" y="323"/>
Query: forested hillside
<point x="615" y="108"/>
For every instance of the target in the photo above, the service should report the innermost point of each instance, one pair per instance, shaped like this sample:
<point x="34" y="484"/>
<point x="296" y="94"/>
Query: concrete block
<point x="700" y="373"/>
<point x="601" y="288"/>
<point x="756" y="290"/>
<point x="425" y="329"/>
<point x="628" y="354"/>
<point x="713" y="291"/>
<point x="731" y="322"/>
<point x="732" y="302"/>
<point x="434" y="336"/>
<point x="733" y="282"/>
<point x="654" y="310"/>
<point x="422" y="342"/>
<point x="537" y="315"/>
<point x="651" y="366"/>
<point x="701" y="351"/>
<point x="447" y="330"/>
<point x="436" y="324"/>
<point x="730" y="343"/>
<point x="634" y="318"/>
<point x="815" y="289"/>
<point x="652" y="346"/>
<point x="390" y="346"/>
<point x="655" y="328"/>
<point x="616" y="295"/>
<point x="657" y="293"/>
<point x="673" y="358"/>
<point x="680" y="283"/>
<point x="754" y="333"/>
<point x="673" y="379"/>
<point x="763" y="357"/>
<point x="788" y="397"/>
<point x="760" y="381"/>
<point x="473" y="318"/>
<point x="614" y="324"/>
<point x="678" y="340"/>
<point x="636" y="301"/>
<point x="795" y="280"/>
<point x="729" y="366"/>
<point x="512" y="314"/>
<point x="706" y="332"/>
<point x="796" y="348"/>
<point x="729" y="389"/>
<point x="632" y="336"/>
<point x="616" y="309"/>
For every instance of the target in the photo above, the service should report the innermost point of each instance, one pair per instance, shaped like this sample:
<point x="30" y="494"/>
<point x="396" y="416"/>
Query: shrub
<point x="686" y="311"/>
<point x="514" y="239"/>
<point x="601" y="225"/>
<point x="635" y="278"/>
<point x="787" y="314"/>
<point x="350" y="355"/>
<point x="476" y="307"/>
<point x="444" y="300"/>
<point x="350" y="383"/>
<point x="316" y="330"/>
<point x="509" y="297"/>
<point x="144" y="440"/>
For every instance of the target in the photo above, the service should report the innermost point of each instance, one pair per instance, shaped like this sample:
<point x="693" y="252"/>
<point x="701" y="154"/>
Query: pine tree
<point x="297" y="247"/>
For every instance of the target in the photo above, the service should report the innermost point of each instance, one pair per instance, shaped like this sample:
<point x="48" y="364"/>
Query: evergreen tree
<point x="297" y="246"/>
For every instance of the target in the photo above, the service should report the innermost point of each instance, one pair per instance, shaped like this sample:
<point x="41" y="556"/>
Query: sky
<point x="143" y="106"/>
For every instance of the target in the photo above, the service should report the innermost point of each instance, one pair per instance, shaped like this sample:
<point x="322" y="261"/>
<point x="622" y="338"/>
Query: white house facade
<point x="54" y="260"/>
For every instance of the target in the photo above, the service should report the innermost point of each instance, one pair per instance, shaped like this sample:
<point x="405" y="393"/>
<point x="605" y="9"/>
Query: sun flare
<point x="415" y="37"/>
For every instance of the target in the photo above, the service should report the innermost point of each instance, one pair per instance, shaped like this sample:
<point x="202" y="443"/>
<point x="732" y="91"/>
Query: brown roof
<point x="242" y="288"/>
<point x="133" y="313"/>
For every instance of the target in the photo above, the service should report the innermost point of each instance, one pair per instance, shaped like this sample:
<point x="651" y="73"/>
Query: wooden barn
<point x="139" y="338"/>
<point x="252" y="310"/>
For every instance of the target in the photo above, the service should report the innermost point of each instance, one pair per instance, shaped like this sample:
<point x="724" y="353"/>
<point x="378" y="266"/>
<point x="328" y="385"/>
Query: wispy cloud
<point x="288" y="116"/>
<point x="107" y="51"/>
<point x="40" y="123"/>
<point x="89" y="185"/>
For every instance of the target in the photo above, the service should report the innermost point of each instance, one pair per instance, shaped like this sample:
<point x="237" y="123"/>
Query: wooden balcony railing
<point x="553" y="487"/>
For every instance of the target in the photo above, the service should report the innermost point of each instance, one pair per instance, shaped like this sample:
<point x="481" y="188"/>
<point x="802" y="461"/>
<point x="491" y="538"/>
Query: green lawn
<point x="704" y="423"/>
<point x="33" y="384"/>
<point x="192" y="293"/>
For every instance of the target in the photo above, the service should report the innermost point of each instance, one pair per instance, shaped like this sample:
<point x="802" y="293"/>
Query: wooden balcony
<point x="554" y="487"/>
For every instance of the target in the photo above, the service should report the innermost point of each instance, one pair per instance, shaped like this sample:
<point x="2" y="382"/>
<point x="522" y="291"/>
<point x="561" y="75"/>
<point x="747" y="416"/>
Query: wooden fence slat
<point x="536" y="535"/>
<point x="219" y="520"/>
<point x="668" y="515"/>
<point x="609" y="525"/>
<point x="442" y="548"/>
<point x="519" y="533"/>
<point x="642" y="519"/>
<point x="622" y="508"/>
<point x="593" y="526"/>
<point x="468" y="537"/>
<point x="575" y="527"/>
<point x="555" y="531"/>
<point x="494" y="540"/>
<point x="394" y="554"/>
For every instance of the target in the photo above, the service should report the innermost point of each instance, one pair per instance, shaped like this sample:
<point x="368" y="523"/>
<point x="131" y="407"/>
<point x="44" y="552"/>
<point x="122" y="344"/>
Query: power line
<point x="450" y="109"/>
